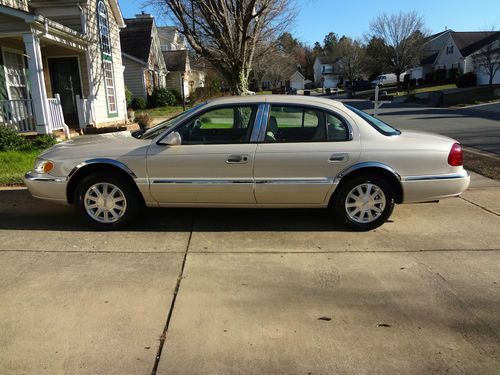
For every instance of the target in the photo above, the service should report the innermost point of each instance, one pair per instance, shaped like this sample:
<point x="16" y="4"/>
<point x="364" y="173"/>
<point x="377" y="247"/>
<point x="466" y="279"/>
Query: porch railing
<point x="84" y="111"/>
<point x="18" y="115"/>
<point x="56" y="115"/>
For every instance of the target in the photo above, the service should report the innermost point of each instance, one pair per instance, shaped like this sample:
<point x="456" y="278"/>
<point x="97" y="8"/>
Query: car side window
<point x="295" y="124"/>
<point x="220" y="126"/>
<point x="337" y="129"/>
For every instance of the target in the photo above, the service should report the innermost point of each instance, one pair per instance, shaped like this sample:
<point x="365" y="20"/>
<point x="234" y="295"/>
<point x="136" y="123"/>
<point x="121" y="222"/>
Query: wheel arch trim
<point x="367" y="164"/>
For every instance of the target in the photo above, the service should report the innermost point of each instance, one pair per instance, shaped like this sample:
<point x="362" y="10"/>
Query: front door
<point x="303" y="151"/>
<point x="213" y="163"/>
<point x="65" y="81"/>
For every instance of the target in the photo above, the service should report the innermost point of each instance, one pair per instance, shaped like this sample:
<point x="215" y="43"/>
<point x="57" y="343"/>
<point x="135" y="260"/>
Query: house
<point x="145" y="68"/>
<point x="179" y="69"/>
<point x="297" y="81"/>
<point x="327" y="72"/>
<point x="67" y="49"/>
<point x="456" y="53"/>
<point x="171" y="39"/>
<point x="432" y="45"/>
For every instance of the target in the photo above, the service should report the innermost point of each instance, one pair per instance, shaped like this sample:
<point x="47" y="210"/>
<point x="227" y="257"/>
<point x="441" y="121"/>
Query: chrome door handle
<point x="237" y="159"/>
<point x="338" y="158"/>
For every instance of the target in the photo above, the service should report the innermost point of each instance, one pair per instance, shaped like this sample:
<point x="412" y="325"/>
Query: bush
<point x="466" y="80"/>
<point x="10" y="140"/>
<point x="413" y="82"/>
<point x="429" y="77"/>
<point x="42" y="142"/>
<point x="162" y="98"/>
<point x="144" y="120"/>
<point x="453" y="74"/>
<point x="420" y="82"/>
<point x="128" y="96"/>
<point x="138" y="103"/>
<point x="440" y="75"/>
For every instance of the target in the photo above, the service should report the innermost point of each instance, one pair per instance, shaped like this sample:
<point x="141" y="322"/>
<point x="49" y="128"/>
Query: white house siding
<point x="134" y="78"/>
<point x="449" y="60"/>
<point x="95" y="60"/>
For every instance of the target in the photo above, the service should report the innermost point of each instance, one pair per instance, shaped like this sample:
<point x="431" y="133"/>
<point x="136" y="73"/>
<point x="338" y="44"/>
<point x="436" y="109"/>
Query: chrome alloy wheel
<point x="365" y="203"/>
<point x="105" y="202"/>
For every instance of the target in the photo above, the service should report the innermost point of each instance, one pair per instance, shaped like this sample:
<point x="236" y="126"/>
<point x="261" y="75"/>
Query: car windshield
<point x="162" y="126"/>
<point x="379" y="125"/>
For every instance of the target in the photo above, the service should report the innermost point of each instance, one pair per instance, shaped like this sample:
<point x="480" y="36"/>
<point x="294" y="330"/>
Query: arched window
<point x="107" y="58"/>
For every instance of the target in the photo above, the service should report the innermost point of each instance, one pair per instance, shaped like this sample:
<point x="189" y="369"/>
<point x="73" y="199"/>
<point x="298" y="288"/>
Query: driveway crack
<point x="163" y="337"/>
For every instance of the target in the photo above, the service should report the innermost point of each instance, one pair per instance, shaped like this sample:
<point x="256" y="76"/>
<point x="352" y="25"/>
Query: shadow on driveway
<point x="20" y="211"/>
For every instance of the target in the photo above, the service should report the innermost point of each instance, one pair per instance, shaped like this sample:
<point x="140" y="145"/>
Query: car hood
<point x="96" y="146"/>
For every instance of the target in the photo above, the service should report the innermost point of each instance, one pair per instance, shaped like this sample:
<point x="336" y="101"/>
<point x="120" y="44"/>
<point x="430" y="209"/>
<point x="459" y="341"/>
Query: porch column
<point x="37" y="83"/>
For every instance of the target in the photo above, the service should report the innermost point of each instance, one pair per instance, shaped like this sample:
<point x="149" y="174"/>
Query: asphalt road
<point x="252" y="291"/>
<point x="477" y="127"/>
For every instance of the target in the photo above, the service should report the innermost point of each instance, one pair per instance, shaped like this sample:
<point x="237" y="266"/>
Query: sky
<point x="316" y="18"/>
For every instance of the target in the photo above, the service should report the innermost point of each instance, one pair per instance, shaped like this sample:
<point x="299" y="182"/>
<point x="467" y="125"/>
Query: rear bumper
<point x="432" y="188"/>
<point x="46" y="187"/>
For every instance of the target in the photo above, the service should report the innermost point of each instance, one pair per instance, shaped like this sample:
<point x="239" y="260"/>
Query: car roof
<point x="292" y="99"/>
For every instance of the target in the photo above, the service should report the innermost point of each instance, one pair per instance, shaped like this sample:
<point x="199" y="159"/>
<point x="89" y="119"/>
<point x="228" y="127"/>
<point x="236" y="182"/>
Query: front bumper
<point x="46" y="187"/>
<point x="418" y="189"/>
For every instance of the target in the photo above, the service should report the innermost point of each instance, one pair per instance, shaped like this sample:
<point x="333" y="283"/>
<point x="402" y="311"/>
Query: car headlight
<point x="43" y="166"/>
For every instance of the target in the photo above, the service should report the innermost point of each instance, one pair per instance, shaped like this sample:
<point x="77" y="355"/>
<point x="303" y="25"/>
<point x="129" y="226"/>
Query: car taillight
<point x="455" y="158"/>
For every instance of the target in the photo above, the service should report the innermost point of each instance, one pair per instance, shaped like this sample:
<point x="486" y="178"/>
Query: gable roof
<point x="176" y="60"/>
<point x="136" y="38"/>
<point x="298" y="75"/>
<point x="167" y="34"/>
<point x="472" y="41"/>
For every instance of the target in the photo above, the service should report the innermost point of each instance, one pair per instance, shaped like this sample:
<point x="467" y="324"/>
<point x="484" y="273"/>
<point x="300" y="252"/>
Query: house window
<point x="110" y="86"/>
<point x="107" y="58"/>
<point x="15" y="75"/>
<point x="449" y="50"/>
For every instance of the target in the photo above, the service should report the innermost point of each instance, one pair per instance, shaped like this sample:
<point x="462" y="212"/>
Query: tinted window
<point x="379" y="125"/>
<point x="295" y="124"/>
<point x="220" y="126"/>
<point x="336" y="129"/>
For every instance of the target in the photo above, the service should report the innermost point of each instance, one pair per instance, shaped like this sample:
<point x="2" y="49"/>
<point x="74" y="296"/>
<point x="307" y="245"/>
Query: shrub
<point x="138" y="103"/>
<point x="440" y="75"/>
<point x="453" y="74"/>
<point x="413" y="82"/>
<point x="41" y="142"/>
<point x="466" y="80"/>
<point x="162" y="98"/>
<point x="420" y="81"/>
<point x="10" y="140"/>
<point x="144" y="120"/>
<point x="128" y="96"/>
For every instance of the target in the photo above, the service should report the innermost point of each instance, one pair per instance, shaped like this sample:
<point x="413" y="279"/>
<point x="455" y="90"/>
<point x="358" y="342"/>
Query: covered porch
<point x="43" y="74"/>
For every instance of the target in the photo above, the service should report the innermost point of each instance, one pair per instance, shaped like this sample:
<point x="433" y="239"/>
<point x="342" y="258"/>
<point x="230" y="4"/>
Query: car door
<point x="302" y="151"/>
<point x="213" y="162"/>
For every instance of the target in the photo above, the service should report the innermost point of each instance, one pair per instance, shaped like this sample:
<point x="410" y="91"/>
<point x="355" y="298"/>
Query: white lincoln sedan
<point x="254" y="152"/>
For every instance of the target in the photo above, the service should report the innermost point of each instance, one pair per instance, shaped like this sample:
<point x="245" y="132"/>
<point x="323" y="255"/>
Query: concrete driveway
<point x="252" y="292"/>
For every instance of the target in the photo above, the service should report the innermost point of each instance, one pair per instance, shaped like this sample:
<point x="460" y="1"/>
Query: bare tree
<point x="403" y="33"/>
<point x="487" y="59"/>
<point x="227" y="32"/>
<point x="275" y="65"/>
<point x="352" y="56"/>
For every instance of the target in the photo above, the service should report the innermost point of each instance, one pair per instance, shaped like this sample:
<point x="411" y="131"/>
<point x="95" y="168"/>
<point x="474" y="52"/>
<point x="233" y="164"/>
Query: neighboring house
<point x="432" y="45"/>
<point x="179" y="71"/>
<point x="327" y="68"/>
<point x="65" y="48"/>
<point x="297" y="81"/>
<point x="145" y="68"/>
<point x="171" y="39"/>
<point x="457" y="50"/>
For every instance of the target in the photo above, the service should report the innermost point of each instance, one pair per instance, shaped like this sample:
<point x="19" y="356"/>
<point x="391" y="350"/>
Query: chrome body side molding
<point x="451" y="176"/>
<point x="296" y="181"/>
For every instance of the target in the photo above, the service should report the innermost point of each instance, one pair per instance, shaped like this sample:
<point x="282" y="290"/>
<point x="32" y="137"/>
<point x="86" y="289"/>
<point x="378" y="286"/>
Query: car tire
<point x="364" y="203"/>
<point x="106" y="202"/>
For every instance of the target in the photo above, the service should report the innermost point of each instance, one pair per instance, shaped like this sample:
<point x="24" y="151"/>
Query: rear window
<point x="376" y="123"/>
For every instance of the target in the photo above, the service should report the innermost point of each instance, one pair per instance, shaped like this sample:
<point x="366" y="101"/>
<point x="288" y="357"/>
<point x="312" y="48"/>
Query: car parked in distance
<point x="254" y="152"/>
<point x="389" y="79"/>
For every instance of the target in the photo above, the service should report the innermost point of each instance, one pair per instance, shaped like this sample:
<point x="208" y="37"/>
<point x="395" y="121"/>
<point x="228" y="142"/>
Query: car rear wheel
<point x="106" y="202"/>
<point x="364" y="203"/>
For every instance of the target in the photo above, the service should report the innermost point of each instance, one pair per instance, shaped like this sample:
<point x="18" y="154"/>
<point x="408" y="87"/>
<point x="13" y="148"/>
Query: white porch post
<point x="37" y="83"/>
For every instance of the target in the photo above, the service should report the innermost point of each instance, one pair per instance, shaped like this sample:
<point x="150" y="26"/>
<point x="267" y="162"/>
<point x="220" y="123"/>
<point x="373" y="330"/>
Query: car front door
<point x="213" y="162"/>
<point x="301" y="153"/>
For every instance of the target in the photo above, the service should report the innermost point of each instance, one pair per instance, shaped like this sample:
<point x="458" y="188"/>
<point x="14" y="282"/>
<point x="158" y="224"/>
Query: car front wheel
<point x="364" y="203"/>
<point x="106" y="202"/>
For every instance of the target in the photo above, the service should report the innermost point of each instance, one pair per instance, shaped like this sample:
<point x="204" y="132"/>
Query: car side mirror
<point x="172" y="139"/>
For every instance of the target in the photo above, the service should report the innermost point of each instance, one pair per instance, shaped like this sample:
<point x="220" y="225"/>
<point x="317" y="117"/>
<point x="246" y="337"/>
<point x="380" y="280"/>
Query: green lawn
<point x="14" y="164"/>
<point x="427" y="89"/>
<point x="162" y="111"/>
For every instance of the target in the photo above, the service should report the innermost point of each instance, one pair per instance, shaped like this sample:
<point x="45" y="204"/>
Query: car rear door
<point x="214" y="163"/>
<point x="300" y="153"/>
